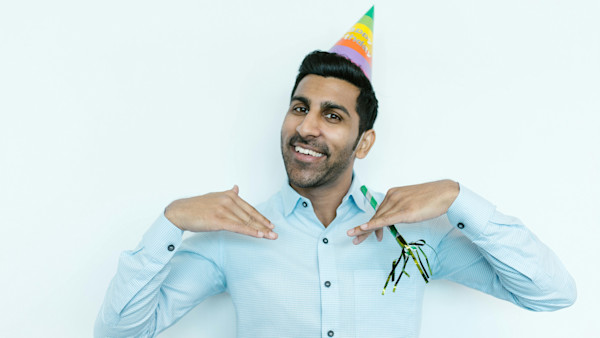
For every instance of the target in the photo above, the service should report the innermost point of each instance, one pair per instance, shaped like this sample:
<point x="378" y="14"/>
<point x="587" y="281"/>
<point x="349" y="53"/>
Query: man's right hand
<point x="219" y="211"/>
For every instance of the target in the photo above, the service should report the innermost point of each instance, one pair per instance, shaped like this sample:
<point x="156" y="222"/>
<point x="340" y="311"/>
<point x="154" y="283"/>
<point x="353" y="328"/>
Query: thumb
<point x="236" y="189"/>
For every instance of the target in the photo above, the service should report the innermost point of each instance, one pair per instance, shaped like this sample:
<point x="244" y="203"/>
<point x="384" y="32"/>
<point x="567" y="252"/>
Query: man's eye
<point x="300" y="109"/>
<point x="333" y="116"/>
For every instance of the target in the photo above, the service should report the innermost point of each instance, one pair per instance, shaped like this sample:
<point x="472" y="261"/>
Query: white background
<point x="112" y="109"/>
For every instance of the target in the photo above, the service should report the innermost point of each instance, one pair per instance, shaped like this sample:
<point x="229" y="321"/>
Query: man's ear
<point x="366" y="142"/>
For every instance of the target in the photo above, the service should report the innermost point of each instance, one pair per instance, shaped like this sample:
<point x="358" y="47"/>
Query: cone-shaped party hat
<point x="357" y="43"/>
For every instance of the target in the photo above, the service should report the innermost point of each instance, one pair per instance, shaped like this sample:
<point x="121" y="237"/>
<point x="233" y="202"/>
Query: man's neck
<point x="326" y="199"/>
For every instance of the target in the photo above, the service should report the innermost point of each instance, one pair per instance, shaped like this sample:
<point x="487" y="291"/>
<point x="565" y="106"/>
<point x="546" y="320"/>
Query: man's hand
<point x="219" y="211"/>
<point x="410" y="204"/>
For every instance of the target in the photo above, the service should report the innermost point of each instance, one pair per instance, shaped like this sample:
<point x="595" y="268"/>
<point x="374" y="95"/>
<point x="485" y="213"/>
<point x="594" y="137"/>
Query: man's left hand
<point x="409" y="204"/>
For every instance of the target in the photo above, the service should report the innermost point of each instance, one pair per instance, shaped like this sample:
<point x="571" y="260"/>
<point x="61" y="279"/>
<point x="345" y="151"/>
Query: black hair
<point x="334" y="65"/>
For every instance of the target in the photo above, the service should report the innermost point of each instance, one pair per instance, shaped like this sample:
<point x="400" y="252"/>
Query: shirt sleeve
<point x="159" y="281"/>
<point x="495" y="253"/>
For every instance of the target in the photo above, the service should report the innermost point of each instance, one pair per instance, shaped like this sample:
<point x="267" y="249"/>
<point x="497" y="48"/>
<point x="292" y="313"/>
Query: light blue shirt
<point x="313" y="282"/>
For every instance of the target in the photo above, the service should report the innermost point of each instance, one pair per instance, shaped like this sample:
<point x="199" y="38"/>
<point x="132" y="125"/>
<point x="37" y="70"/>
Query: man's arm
<point x="137" y="304"/>
<point x="485" y="250"/>
<point x="219" y="211"/>
<point x="163" y="278"/>
<point x="497" y="254"/>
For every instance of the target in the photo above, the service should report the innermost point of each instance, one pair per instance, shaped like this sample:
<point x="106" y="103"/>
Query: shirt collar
<point x="291" y="198"/>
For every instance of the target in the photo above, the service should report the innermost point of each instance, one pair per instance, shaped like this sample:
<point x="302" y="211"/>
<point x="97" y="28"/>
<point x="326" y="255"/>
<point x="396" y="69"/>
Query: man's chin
<point x="304" y="180"/>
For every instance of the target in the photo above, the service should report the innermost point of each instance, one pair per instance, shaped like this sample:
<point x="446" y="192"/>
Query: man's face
<point x="320" y="131"/>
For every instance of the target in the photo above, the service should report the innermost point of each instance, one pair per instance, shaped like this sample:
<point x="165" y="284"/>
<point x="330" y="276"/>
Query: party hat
<point x="357" y="43"/>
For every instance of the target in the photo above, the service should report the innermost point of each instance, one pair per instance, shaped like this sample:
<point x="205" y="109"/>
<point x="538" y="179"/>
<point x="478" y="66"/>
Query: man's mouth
<point x="308" y="152"/>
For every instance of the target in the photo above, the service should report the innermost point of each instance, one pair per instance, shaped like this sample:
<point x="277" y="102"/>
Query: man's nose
<point x="310" y="125"/>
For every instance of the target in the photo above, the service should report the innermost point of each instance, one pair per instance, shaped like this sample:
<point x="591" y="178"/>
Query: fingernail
<point x="271" y="225"/>
<point x="271" y="235"/>
<point x="355" y="240"/>
<point x="260" y="234"/>
<point x="364" y="226"/>
<point x="351" y="232"/>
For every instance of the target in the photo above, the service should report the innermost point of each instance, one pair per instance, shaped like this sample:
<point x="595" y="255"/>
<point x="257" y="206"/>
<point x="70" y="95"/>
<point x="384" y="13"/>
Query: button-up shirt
<point x="314" y="282"/>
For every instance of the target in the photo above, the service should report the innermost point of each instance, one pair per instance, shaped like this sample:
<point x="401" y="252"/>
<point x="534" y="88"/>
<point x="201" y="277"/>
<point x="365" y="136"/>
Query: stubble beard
<point x="310" y="175"/>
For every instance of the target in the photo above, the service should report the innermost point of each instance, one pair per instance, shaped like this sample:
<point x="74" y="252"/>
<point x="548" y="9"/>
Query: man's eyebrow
<point x="332" y="105"/>
<point x="302" y="99"/>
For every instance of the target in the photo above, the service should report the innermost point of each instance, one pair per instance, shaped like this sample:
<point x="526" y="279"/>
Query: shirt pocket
<point x="395" y="314"/>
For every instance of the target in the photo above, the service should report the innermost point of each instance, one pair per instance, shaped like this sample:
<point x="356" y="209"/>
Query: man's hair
<point x="334" y="65"/>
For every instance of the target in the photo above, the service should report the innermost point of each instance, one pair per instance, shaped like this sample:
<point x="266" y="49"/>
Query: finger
<point x="379" y="234"/>
<point x="388" y="203"/>
<point x="392" y="201"/>
<point x="233" y="223"/>
<point x="237" y="225"/>
<point x="356" y="231"/>
<point x="243" y="222"/>
<point x="250" y="210"/>
<point x="255" y="215"/>
<point x="381" y="220"/>
<point x="360" y="238"/>
<point x="248" y="222"/>
<point x="375" y="224"/>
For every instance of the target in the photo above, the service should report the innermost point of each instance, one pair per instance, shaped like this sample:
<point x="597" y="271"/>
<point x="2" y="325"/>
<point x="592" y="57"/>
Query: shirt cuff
<point x="162" y="240"/>
<point x="470" y="213"/>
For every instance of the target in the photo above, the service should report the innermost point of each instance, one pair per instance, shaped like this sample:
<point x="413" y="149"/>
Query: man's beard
<point x="311" y="175"/>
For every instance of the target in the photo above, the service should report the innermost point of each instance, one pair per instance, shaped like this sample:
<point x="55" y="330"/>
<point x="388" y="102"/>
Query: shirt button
<point x="460" y="225"/>
<point x="304" y="204"/>
<point x="327" y="283"/>
<point x="325" y="240"/>
<point x="330" y="333"/>
<point x="171" y="247"/>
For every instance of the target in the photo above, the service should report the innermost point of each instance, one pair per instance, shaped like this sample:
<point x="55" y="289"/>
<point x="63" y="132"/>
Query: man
<point x="303" y="264"/>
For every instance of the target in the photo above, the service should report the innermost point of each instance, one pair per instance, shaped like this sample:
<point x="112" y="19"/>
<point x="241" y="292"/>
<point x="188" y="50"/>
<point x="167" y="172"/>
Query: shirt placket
<point x="328" y="285"/>
<point x="327" y="270"/>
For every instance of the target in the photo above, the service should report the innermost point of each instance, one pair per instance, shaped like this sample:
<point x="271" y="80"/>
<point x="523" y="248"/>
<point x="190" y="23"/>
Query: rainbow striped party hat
<point x="357" y="43"/>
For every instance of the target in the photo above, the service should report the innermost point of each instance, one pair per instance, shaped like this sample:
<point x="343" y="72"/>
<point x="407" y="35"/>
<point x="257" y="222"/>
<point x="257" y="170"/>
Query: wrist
<point x="172" y="215"/>
<point x="452" y="191"/>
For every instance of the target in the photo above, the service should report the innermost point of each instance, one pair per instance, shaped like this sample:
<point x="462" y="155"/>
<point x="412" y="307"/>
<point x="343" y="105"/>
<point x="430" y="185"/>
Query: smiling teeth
<point x="308" y="152"/>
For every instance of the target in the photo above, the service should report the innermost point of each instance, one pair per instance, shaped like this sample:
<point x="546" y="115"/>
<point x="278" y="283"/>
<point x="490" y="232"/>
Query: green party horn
<point x="412" y="250"/>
